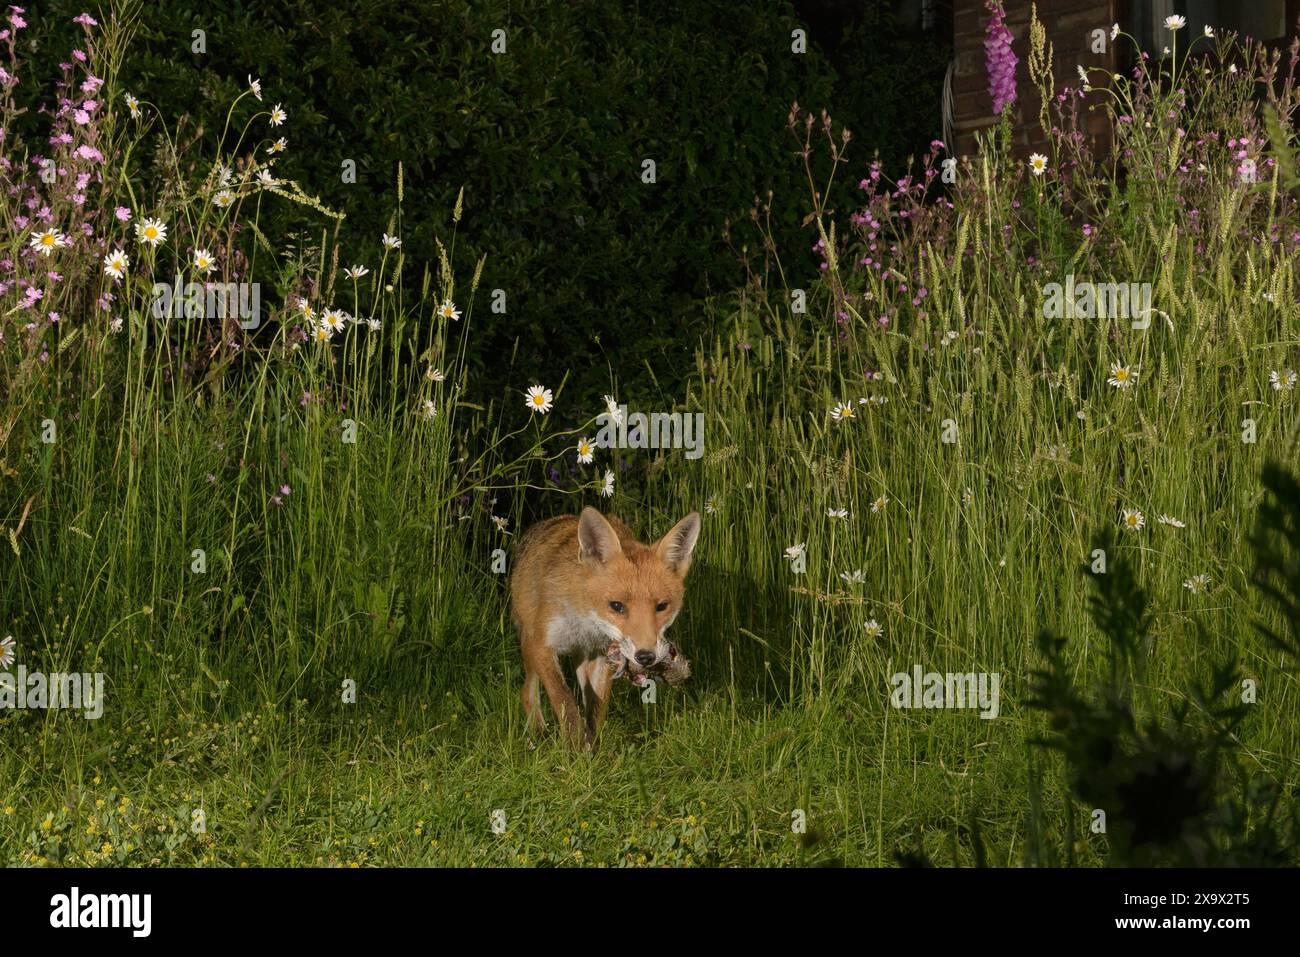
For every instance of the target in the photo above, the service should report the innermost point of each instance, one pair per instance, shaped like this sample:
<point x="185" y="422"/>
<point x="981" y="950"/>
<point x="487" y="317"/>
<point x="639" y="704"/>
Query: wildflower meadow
<point x="999" y="559"/>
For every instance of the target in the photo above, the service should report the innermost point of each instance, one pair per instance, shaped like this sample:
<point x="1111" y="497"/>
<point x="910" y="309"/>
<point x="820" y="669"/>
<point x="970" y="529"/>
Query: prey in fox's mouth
<point x="673" y="667"/>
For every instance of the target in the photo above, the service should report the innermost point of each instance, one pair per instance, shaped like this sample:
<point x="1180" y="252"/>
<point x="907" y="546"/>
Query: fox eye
<point x="662" y="606"/>
<point x="617" y="606"/>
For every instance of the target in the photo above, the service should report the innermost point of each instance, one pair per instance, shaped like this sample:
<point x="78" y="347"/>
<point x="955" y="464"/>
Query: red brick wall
<point x="1069" y="24"/>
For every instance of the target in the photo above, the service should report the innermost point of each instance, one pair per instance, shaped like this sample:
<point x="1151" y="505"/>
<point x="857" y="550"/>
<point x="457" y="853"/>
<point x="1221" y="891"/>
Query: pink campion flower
<point x="89" y="153"/>
<point x="90" y="106"/>
<point x="1000" y="62"/>
<point x="79" y="56"/>
<point x="86" y="19"/>
<point x="15" y="20"/>
<point x="90" y="84"/>
<point x="123" y="214"/>
<point x="81" y="117"/>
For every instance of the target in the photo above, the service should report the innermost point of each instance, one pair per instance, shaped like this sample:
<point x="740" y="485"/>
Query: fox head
<point x="635" y="593"/>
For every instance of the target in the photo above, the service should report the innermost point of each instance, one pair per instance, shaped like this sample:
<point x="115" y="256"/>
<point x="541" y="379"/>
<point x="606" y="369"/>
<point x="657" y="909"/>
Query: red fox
<point x="581" y="585"/>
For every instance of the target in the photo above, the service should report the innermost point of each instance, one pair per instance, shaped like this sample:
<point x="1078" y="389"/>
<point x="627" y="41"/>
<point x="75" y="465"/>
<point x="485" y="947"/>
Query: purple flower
<point x="999" y="60"/>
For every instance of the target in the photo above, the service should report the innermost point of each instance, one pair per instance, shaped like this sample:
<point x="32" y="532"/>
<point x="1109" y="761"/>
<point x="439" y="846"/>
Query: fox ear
<point x="597" y="541"/>
<point x="675" y="548"/>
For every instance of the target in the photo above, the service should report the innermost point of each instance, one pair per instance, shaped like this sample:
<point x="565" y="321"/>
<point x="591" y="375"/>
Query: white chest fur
<point x="572" y="633"/>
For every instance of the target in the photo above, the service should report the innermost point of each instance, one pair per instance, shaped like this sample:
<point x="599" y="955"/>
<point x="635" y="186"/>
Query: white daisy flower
<point x="539" y="399"/>
<point x="873" y="628"/>
<point x="265" y="177"/>
<point x="7" y="651"/>
<point x="1132" y="520"/>
<point x="304" y="309"/>
<point x="203" y="261"/>
<point x="278" y="146"/>
<point x="1197" y="584"/>
<point x="586" y="451"/>
<point x="256" y="87"/>
<point x="795" y="551"/>
<point x="115" y="264"/>
<point x="1209" y="31"/>
<point x="356" y="272"/>
<point x="133" y="105"/>
<point x="335" y="320"/>
<point x="1175" y="23"/>
<point x="1171" y="521"/>
<point x="879" y="504"/>
<point x="1283" y="381"/>
<point x="448" y="310"/>
<point x="1037" y="164"/>
<point x="501" y="523"/>
<point x="1121" y="376"/>
<point x="278" y="115"/>
<point x="612" y="410"/>
<point x="392" y="242"/>
<point x="151" y="231"/>
<point x="48" y="241"/>
<point x="837" y="513"/>
<point x="607" y="486"/>
<point x="430" y="410"/>
<point x="855" y="577"/>
<point x="710" y="506"/>
<point x="116" y="325"/>
<point x="843" y="411"/>
<point x="435" y="375"/>
<point x="223" y="199"/>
